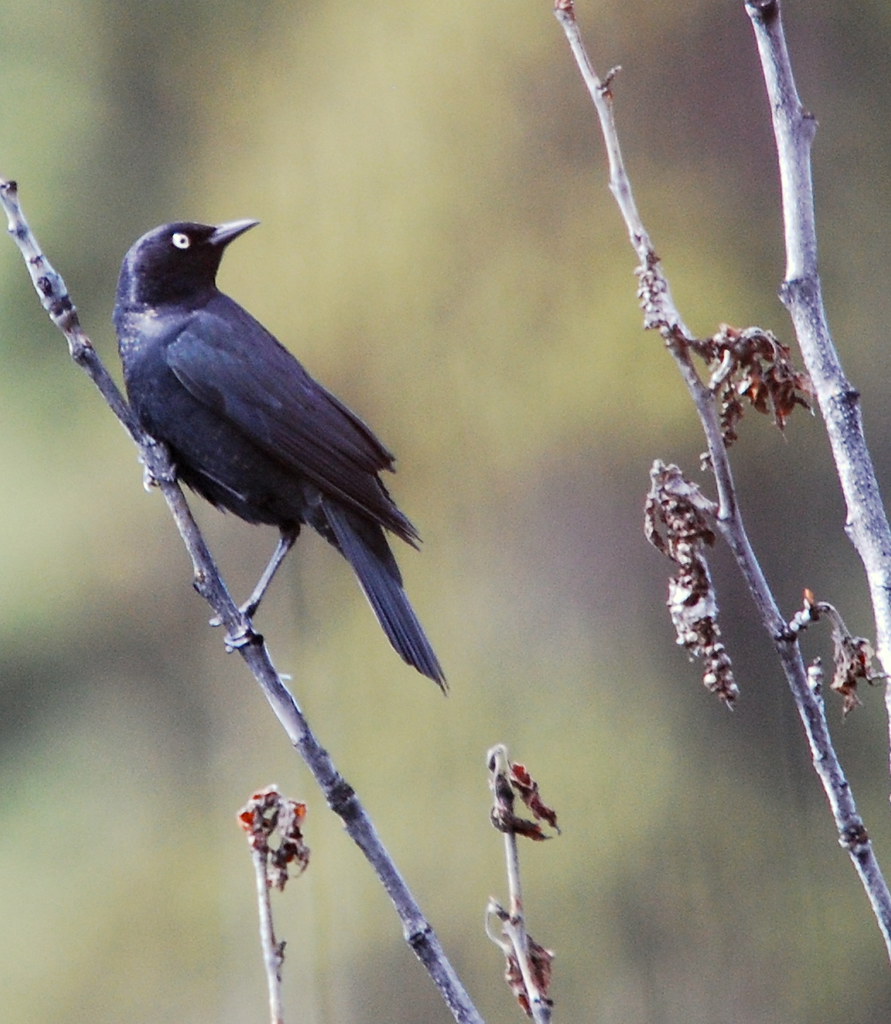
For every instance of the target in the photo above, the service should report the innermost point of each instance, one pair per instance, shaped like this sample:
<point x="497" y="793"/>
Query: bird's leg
<point x="285" y="543"/>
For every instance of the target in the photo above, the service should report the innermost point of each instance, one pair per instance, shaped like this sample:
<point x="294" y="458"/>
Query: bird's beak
<point x="223" y="234"/>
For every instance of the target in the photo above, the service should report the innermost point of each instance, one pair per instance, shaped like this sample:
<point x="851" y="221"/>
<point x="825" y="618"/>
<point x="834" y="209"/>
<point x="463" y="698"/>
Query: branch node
<point x="765" y="11"/>
<point x="341" y="797"/>
<point x="815" y="677"/>
<point x="606" y="86"/>
<point x="418" y="938"/>
<point x="854" y="838"/>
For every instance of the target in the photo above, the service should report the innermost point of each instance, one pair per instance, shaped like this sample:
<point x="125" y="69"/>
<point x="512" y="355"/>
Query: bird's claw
<point x="241" y="639"/>
<point x="245" y="610"/>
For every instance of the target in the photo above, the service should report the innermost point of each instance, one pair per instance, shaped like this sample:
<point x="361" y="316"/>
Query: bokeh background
<point x="438" y="245"/>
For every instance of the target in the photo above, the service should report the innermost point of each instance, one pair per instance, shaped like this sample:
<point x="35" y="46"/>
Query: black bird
<point x="249" y="429"/>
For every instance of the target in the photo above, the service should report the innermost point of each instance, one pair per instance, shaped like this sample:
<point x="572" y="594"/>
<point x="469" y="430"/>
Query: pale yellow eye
<point x="181" y="240"/>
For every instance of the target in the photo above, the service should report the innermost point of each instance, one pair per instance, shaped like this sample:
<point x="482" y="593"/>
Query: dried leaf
<point x="852" y="654"/>
<point x="540" y="960"/>
<point x="677" y="522"/>
<point x="507" y="821"/>
<point x="266" y="815"/>
<point x="508" y="780"/>
<point x="853" y="664"/>
<point x="527" y="788"/>
<point x="752" y="366"/>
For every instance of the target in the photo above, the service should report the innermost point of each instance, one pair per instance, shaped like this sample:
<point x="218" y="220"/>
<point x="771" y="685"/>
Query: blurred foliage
<point x="439" y="246"/>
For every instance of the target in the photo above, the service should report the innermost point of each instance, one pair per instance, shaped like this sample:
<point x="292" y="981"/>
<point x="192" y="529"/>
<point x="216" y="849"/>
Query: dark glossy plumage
<point x="249" y="429"/>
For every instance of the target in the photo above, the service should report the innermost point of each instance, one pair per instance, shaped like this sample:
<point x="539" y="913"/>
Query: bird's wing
<point x="234" y="366"/>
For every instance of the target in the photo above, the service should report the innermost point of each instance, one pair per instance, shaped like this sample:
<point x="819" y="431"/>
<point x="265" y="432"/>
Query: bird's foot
<point x="149" y="480"/>
<point x="244" y="637"/>
<point x="246" y="610"/>
<point x="157" y="465"/>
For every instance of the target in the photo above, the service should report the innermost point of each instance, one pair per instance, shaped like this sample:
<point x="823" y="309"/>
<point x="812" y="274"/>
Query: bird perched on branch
<point x="249" y="429"/>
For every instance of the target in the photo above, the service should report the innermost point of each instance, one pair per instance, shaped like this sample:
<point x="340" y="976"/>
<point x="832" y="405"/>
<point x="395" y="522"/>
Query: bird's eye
<point x="181" y="240"/>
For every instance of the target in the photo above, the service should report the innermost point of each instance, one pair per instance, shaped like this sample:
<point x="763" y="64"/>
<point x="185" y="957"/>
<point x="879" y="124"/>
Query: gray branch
<point x="801" y="292"/>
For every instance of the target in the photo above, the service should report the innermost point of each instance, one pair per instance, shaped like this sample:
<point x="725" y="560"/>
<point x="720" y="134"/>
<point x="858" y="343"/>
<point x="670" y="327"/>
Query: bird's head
<point x="175" y="262"/>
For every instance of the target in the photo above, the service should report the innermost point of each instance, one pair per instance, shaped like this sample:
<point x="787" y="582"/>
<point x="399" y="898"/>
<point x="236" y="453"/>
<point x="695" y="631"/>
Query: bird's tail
<point x="365" y="547"/>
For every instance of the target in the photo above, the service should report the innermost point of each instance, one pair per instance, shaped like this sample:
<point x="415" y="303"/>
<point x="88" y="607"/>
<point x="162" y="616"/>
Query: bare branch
<point x="801" y="292"/>
<point x="241" y="636"/>
<point x="655" y="295"/>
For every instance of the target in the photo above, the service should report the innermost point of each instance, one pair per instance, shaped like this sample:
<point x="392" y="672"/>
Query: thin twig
<point x="515" y="923"/>
<point x="273" y="950"/>
<point x="273" y="826"/>
<point x="660" y="314"/>
<point x="528" y="970"/>
<point x="241" y="636"/>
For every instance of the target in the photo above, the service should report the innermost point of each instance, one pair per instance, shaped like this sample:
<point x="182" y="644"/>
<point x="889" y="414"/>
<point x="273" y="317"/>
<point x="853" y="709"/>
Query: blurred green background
<point x="438" y="246"/>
